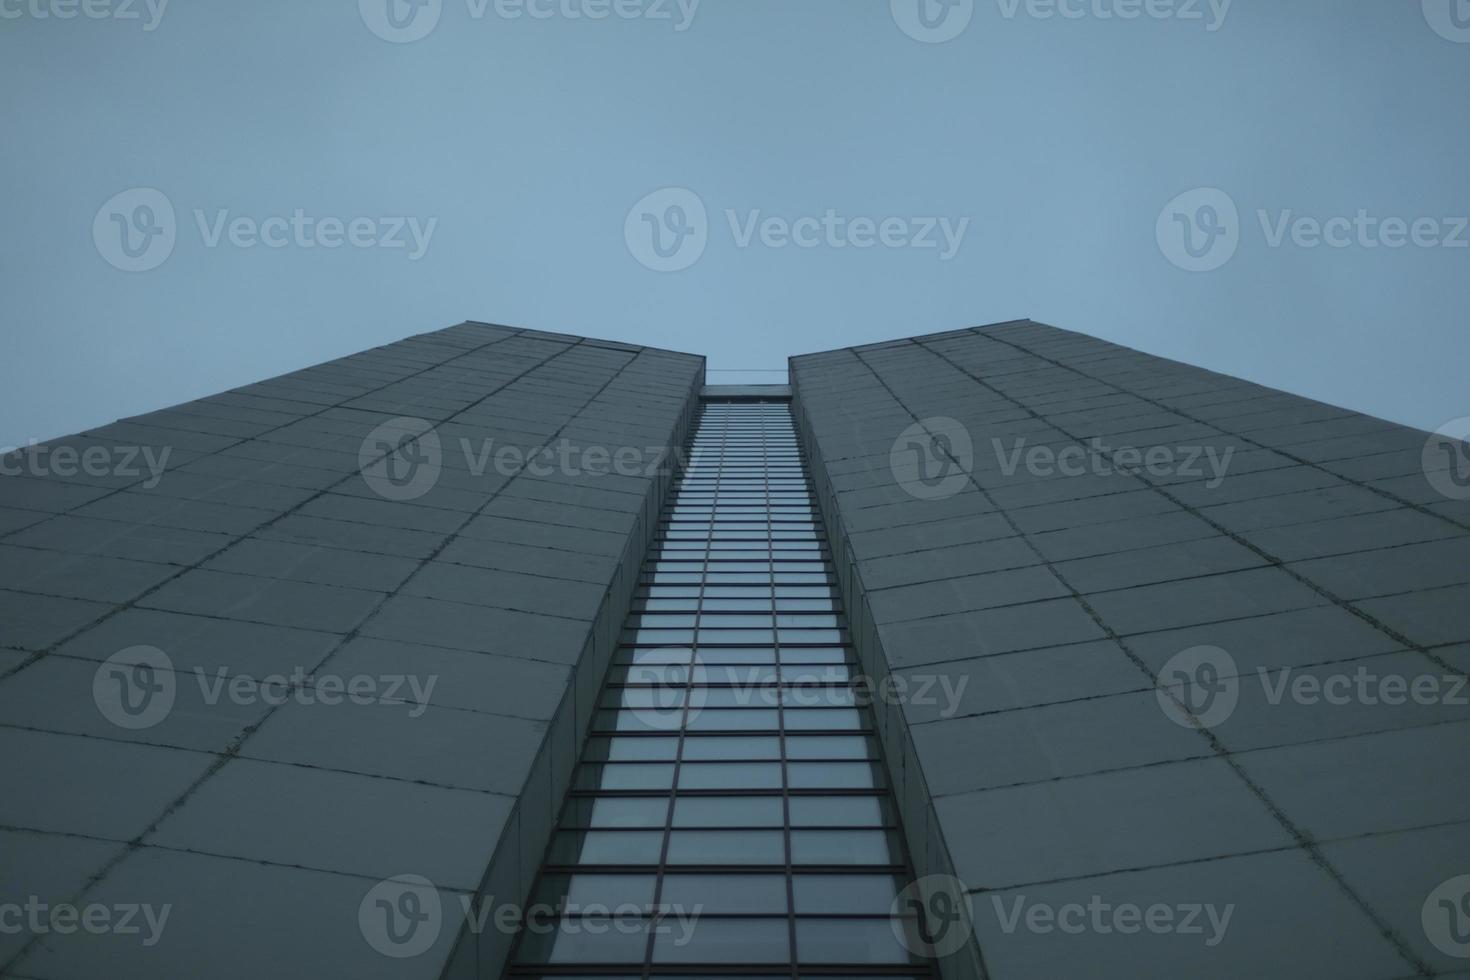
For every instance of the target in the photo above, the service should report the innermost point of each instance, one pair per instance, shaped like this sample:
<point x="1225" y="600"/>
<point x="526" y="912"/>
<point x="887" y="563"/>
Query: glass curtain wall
<point x="731" y="813"/>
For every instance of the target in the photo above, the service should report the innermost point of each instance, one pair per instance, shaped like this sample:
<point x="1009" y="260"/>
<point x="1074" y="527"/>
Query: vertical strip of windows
<point x="731" y="814"/>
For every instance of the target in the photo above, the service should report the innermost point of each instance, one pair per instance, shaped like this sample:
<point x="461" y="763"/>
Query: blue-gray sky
<point x="1054" y="134"/>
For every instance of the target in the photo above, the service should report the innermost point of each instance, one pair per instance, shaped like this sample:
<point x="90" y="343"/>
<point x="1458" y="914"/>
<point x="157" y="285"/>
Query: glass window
<point x="759" y="636"/>
<point x="806" y="636"/>
<point x="658" y="638"/>
<point x="572" y="942"/>
<point x="725" y="941"/>
<point x="743" y="674"/>
<point x="615" y="811"/>
<point x="728" y="811"/>
<point x="810" y="694"/>
<point x="839" y="811"/>
<point x="814" y="719"/>
<point x="733" y="719"/>
<point x="575" y="894"/>
<point x="606" y="847"/>
<point x="831" y="747"/>
<point x="848" y="941"/>
<point x="740" y="621"/>
<point x="725" y="894"/>
<point x="705" y="749"/>
<point x="842" y="847"/>
<point x="799" y="673"/>
<point x="638" y="720"/>
<point x="730" y="775"/>
<point x="712" y="657"/>
<point x="814" y="655"/>
<point x="835" y="775"/>
<point x="743" y="696"/>
<point x="845" y="894"/>
<point x="618" y="775"/>
<point x="772" y="752"/>
<point x="601" y="748"/>
<point x="727" y="847"/>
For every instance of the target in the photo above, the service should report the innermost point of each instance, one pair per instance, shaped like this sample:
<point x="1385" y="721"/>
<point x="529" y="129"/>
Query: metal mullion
<point x="727" y="869"/>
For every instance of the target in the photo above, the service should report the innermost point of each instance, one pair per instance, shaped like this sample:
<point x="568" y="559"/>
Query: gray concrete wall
<point x="264" y="817"/>
<point x="1329" y="818"/>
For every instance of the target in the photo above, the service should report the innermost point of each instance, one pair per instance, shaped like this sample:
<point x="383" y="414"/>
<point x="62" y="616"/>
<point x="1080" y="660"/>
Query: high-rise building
<point x="1001" y="653"/>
